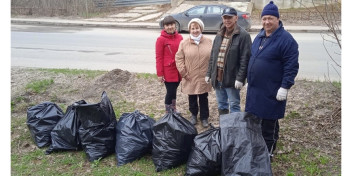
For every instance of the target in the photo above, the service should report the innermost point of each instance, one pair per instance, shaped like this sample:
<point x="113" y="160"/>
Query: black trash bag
<point x="244" y="151"/>
<point x="205" y="157"/>
<point x="41" y="119"/>
<point x="65" y="134"/>
<point x="172" y="141"/>
<point x="134" y="137"/>
<point x="97" y="129"/>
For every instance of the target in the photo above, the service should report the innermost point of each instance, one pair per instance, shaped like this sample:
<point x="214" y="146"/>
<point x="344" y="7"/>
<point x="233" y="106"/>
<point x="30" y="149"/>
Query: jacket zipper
<point x="170" y="52"/>
<point x="169" y="49"/>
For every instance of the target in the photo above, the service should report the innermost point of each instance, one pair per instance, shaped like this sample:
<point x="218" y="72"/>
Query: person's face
<point x="170" y="28"/>
<point x="195" y="29"/>
<point x="270" y="23"/>
<point x="229" y="21"/>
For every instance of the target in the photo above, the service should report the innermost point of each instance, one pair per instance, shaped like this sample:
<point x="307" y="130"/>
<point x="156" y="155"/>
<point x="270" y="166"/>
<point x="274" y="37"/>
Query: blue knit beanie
<point x="271" y="9"/>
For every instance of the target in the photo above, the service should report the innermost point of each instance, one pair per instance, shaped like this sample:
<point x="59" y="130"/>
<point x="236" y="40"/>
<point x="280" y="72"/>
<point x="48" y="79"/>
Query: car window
<point x="196" y="11"/>
<point x="214" y="10"/>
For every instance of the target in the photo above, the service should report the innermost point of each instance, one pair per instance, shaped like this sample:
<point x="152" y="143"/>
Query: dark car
<point x="210" y="15"/>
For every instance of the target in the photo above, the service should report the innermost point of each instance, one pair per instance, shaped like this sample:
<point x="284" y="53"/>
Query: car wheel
<point x="178" y="27"/>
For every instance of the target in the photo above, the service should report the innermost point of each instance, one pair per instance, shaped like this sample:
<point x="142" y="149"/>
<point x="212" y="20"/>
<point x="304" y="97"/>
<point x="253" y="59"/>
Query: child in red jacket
<point x="165" y="50"/>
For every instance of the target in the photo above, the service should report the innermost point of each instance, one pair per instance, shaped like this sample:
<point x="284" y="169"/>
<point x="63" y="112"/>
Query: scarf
<point x="196" y="39"/>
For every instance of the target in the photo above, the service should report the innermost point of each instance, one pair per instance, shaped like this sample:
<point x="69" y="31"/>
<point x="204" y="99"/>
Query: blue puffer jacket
<point x="273" y="66"/>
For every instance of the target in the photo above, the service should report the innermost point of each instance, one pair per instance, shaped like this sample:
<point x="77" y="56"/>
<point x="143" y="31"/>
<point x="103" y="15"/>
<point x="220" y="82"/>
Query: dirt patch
<point x="312" y="122"/>
<point x="117" y="77"/>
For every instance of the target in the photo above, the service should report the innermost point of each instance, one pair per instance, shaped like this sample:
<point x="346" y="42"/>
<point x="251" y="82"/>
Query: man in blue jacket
<point x="272" y="69"/>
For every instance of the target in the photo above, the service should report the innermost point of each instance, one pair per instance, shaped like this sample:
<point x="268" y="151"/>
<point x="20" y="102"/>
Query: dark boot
<point x="173" y="107"/>
<point x="223" y="111"/>
<point x="194" y="119"/>
<point x="205" y="123"/>
<point x="167" y="108"/>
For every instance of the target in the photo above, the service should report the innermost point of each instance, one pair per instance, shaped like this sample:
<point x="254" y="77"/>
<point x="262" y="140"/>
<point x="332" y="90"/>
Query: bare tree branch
<point x="330" y="13"/>
<point x="329" y="52"/>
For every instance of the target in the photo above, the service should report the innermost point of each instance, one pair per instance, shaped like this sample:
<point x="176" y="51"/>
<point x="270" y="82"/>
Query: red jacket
<point x="165" y="49"/>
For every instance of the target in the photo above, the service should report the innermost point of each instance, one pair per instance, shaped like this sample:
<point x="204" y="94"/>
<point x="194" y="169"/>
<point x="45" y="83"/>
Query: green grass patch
<point x="293" y="115"/>
<point x="290" y="174"/>
<point x="124" y="107"/>
<point x="39" y="86"/>
<point x="19" y="99"/>
<point x="62" y="106"/>
<point x="19" y="103"/>
<point x="337" y="84"/>
<point x="88" y="73"/>
<point x="146" y="76"/>
<point x="304" y="161"/>
<point x="13" y="105"/>
<point x="312" y="161"/>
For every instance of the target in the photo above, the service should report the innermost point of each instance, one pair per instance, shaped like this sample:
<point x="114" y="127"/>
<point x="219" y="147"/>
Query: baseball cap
<point x="229" y="11"/>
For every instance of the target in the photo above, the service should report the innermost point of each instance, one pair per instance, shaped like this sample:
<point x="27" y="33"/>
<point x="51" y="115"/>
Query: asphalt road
<point x="133" y="49"/>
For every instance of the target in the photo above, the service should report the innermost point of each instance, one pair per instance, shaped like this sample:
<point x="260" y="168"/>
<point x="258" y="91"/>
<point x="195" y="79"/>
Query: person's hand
<point x="282" y="94"/>
<point x="238" y="85"/>
<point x="161" y="79"/>
<point x="207" y="79"/>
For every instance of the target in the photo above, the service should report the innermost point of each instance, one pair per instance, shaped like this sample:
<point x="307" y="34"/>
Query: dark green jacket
<point x="236" y="58"/>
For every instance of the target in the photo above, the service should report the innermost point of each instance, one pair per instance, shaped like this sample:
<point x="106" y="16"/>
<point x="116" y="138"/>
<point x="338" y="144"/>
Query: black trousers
<point x="270" y="132"/>
<point x="203" y="105"/>
<point x="171" y="90"/>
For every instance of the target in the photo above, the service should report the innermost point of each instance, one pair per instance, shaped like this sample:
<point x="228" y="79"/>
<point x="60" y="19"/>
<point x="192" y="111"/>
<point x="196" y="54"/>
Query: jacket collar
<point x="262" y="31"/>
<point x="222" y="31"/>
<point x="272" y="37"/>
<point x="165" y="34"/>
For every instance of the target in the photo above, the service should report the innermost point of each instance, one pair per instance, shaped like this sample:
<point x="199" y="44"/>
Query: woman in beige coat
<point x="192" y="59"/>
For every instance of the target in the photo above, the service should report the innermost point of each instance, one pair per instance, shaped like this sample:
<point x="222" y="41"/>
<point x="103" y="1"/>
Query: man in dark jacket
<point x="228" y="62"/>
<point x="272" y="69"/>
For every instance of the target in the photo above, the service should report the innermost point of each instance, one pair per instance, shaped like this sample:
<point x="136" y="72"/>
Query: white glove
<point x="238" y="85"/>
<point x="207" y="79"/>
<point x="282" y="94"/>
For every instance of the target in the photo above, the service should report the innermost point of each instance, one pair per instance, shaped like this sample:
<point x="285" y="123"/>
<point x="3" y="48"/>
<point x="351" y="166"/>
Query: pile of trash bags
<point x="235" y="148"/>
<point x="90" y="127"/>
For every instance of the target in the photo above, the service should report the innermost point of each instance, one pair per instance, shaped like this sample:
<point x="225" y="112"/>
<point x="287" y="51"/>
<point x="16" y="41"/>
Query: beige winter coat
<point x="192" y="62"/>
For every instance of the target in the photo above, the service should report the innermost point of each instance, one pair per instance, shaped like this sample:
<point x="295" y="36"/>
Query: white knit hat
<point x="197" y="20"/>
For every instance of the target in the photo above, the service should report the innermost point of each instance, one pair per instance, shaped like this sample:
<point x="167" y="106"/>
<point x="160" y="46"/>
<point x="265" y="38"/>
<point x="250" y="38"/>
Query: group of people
<point x="269" y="64"/>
